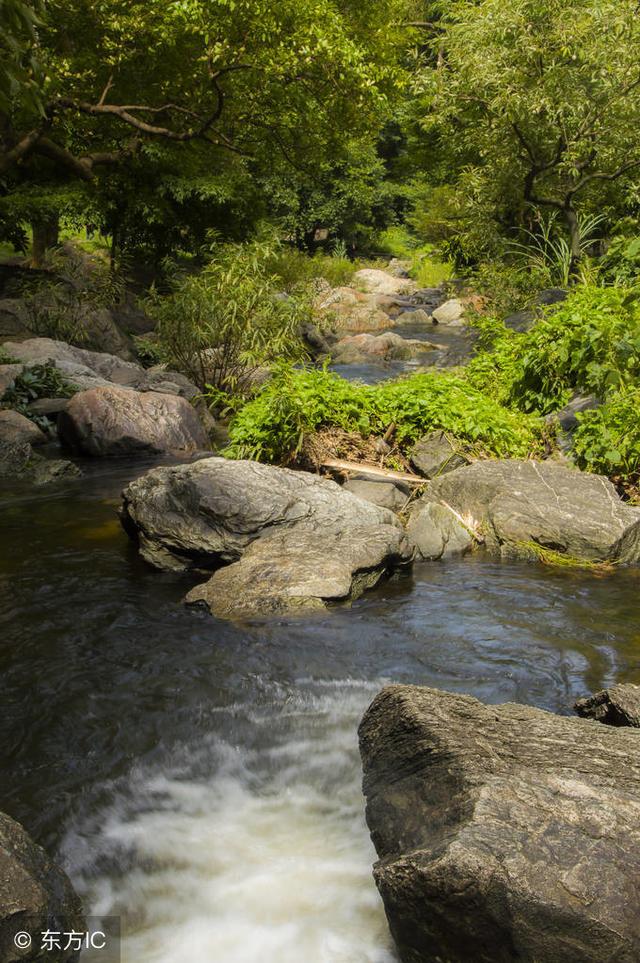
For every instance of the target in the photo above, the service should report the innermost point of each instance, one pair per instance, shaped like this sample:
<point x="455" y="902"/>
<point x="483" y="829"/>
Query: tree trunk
<point x="574" y="239"/>
<point x="45" y="236"/>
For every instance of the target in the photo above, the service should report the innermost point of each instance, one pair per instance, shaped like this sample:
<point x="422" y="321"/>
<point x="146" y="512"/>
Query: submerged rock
<point x="119" y="421"/>
<point x="321" y="543"/>
<point x="503" y="832"/>
<point x="619" y="705"/>
<point x="35" y="895"/>
<point x="520" y="504"/>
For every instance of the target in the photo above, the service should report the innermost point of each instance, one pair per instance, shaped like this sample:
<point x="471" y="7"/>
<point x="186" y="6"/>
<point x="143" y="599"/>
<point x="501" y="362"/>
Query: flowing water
<point x="202" y="778"/>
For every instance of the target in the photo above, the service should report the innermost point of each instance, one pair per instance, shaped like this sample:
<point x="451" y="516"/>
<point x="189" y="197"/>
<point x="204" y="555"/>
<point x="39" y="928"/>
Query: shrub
<point x="607" y="439"/>
<point x="219" y="326"/>
<point x="272" y="426"/>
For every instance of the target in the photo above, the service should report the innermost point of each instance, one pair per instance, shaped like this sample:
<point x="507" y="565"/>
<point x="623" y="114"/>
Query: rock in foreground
<point x="619" y="705"/>
<point x="35" y="894"/>
<point x="297" y="540"/>
<point x="520" y="504"/>
<point x="120" y="421"/>
<point x="503" y="832"/>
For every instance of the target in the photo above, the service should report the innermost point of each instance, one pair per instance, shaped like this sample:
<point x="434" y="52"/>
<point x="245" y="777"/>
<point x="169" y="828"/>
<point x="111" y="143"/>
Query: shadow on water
<point x="203" y="777"/>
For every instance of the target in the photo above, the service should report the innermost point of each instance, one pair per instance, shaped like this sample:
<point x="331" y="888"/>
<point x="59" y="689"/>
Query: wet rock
<point x="360" y="348"/>
<point x="436" y="532"/>
<point x="48" y="471"/>
<point x="419" y="316"/>
<point x="300" y="569"/>
<point x="118" y="421"/>
<point x="373" y="281"/>
<point x="503" y="832"/>
<point x="211" y="512"/>
<point x="207" y="513"/>
<point x="384" y="494"/>
<point x="519" y="503"/>
<point x="15" y="427"/>
<point x="35" y="894"/>
<point x="451" y="312"/>
<point x="619" y="705"/>
<point x="14" y="458"/>
<point x="8" y="375"/>
<point x="437" y="453"/>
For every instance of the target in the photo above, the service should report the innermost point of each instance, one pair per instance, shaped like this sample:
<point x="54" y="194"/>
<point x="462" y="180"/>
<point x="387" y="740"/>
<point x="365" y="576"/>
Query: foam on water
<point x="243" y="853"/>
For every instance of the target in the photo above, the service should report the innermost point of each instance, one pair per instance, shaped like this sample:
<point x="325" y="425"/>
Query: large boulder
<point x="8" y="375"/>
<point x="383" y="493"/>
<point x="619" y="705"/>
<point x="522" y="506"/>
<point x="35" y="895"/>
<point x="451" y="312"/>
<point x="503" y="832"/>
<point x="118" y="421"/>
<point x="321" y="543"/>
<point x="373" y="281"/>
<point x="301" y="569"/>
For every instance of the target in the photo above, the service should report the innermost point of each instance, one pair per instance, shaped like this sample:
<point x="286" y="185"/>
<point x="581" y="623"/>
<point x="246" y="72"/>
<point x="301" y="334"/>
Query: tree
<point x="254" y="83"/>
<point x="537" y="100"/>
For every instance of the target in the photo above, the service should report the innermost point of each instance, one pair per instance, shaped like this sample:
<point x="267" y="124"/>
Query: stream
<point x="202" y="778"/>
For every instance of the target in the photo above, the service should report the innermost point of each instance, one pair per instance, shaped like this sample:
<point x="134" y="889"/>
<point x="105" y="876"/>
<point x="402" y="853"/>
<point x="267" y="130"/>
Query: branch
<point x="601" y="176"/>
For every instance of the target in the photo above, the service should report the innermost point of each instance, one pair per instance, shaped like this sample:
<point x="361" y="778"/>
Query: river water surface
<point x="202" y="778"/>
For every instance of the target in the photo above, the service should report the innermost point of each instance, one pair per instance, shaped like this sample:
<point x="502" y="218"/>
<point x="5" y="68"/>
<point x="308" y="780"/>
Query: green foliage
<point x="532" y="103"/>
<point x="19" y="68"/>
<point x="38" y="381"/>
<point x="293" y="269"/>
<point x="272" y="426"/>
<point x="590" y="342"/>
<point x="222" y="324"/>
<point x="546" y="249"/>
<point x="608" y="438"/>
<point x="6" y="358"/>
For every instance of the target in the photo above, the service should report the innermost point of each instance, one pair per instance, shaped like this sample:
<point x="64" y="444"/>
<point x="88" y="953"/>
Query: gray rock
<point x="449" y="312"/>
<point x="94" y="369"/>
<point x="436" y="454"/>
<point x="503" y="832"/>
<point x="35" y="894"/>
<point x="521" y="320"/>
<point x="215" y="511"/>
<point x="437" y="533"/>
<point x="301" y="569"/>
<point x="207" y="513"/>
<point x="389" y="346"/>
<point x="552" y="296"/>
<point x="566" y="418"/>
<point x="399" y="268"/>
<point x="14" y="427"/>
<point x="384" y="494"/>
<point x="619" y="705"/>
<point x="517" y="503"/>
<point x="117" y="421"/>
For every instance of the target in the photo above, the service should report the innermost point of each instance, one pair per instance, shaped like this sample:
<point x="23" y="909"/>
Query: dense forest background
<point x="238" y="149"/>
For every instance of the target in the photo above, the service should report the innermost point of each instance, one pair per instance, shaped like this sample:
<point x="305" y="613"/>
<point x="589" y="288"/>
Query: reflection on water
<point x="202" y="778"/>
